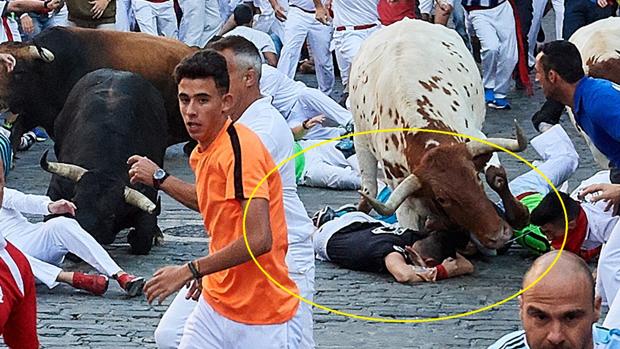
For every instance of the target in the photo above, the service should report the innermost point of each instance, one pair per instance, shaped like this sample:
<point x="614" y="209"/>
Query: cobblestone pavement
<point x="69" y="318"/>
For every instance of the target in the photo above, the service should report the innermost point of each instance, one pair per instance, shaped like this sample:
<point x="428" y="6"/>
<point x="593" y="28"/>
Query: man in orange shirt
<point x="239" y="307"/>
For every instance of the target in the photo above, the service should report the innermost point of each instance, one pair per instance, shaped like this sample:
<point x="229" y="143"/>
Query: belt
<point x="477" y="7"/>
<point x="303" y="9"/>
<point x="356" y="27"/>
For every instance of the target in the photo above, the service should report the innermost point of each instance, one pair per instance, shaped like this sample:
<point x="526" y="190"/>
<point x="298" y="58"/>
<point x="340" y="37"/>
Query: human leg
<point x="508" y="54"/>
<point x="166" y="19"/>
<point x="319" y="39"/>
<point x="193" y="21"/>
<point x="314" y="102"/>
<point x="558" y="8"/>
<point x="295" y="33"/>
<point x="301" y="336"/>
<point x="122" y="15"/>
<point x="169" y="331"/>
<point x="145" y="16"/>
<point x="539" y="7"/>
<point x="608" y="277"/>
<point x="489" y="42"/>
<point x="560" y="162"/>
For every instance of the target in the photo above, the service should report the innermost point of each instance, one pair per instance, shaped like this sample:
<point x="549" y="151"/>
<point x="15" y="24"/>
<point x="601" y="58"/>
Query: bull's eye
<point x="442" y="201"/>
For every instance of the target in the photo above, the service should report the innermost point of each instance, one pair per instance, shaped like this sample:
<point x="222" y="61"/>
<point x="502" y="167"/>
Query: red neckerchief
<point x="575" y="237"/>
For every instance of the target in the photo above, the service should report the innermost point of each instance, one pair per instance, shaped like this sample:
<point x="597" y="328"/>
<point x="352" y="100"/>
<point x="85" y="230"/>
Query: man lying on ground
<point x="359" y="242"/>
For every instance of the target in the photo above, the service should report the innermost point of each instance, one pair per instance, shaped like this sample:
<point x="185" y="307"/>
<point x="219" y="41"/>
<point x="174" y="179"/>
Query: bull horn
<point x="41" y="53"/>
<point x="69" y="171"/>
<point x="139" y="200"/>
<point x="407" y="187"/>
<point x="477" y="148"/>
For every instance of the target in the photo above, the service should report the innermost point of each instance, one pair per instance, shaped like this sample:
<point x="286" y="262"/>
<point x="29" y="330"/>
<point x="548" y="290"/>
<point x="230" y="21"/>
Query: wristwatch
<point x="159" y="177"/>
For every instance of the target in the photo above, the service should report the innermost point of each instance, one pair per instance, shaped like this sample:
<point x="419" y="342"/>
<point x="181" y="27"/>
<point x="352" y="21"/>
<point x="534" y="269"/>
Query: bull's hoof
<point x="139" y="244"/>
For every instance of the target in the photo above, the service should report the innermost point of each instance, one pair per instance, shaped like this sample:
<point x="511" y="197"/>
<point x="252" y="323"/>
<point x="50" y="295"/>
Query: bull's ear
<point x="480" y="161"/>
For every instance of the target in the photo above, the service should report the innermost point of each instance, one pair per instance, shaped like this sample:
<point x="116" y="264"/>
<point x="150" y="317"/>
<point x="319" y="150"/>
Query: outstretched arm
<point x="406" y="273"/>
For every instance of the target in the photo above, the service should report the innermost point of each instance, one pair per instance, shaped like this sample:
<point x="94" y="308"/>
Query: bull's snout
<point x="499" y="239"/>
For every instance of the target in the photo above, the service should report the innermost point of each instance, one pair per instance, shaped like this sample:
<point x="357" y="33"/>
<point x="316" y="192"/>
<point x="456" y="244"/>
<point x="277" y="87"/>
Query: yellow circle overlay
<point x="411" y="320"/>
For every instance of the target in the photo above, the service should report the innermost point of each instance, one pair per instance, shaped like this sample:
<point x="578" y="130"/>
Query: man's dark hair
<point x="243" y="14"/>
<point x="246" y="54"/>
<point x="204" y="64"/>
<point x="440" y="245"/>
<point x="563" y="57"/>
<point x="550" y="209"/>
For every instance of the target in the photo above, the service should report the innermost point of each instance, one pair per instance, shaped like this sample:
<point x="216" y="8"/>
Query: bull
<point x="599" y="45"/>
<point x="413" y="74"/>
<point x="48" y="67"/>
<point x="109" y="116"/>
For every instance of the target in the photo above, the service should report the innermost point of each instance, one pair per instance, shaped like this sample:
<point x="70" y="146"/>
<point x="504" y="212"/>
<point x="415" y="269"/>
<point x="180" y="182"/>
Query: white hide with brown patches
<point x="398" y="70"/>
<point x="597" y="42"/>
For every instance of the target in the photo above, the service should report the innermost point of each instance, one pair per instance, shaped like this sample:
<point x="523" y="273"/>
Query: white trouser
<point x="170" y="329"/>
<point x="496" y="30"/>
<point x="206" y="329"/>
<point x="300" y="24"/>
<point x="50" y="241"/>
<point x="326" y="167"/>
<point x="200" y="22"/>
<point x="14" y="34"/>
<point x="156" y="18"/>
<point x="312" y="102"/>
<point x="560" y="162"/>
<point x="608" y="277"/>
<point x="539" y="8"/>
<point x="346" y="44"/>
<point x="123" y="15"/>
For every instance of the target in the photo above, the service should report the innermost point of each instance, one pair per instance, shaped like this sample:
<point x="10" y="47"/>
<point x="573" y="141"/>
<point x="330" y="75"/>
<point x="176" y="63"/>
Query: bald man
<point x="561" y="310"/>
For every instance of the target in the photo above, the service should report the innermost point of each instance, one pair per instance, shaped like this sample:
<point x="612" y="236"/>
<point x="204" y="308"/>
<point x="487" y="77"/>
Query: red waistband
<point x="356" y="27"/>
<point x="527" y="193"/>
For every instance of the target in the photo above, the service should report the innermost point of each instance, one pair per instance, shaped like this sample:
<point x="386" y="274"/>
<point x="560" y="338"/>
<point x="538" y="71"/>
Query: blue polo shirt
<point x="597" y="112"/>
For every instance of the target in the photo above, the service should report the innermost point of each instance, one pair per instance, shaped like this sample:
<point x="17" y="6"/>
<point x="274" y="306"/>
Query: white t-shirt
<point x="261" y="40"/>
<point x="270" y="126"/>
<point x="284" y="90"/>
<point x="355" y="12"/>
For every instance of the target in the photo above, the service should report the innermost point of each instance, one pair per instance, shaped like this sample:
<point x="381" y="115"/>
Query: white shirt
<point x="327" y="230"/>
<point x="14" y="204"/>
<point x="261" y="40"/>
<point x="355" y="12"/>
<point x="284" y="90"/>
<point x="262" y="118"/>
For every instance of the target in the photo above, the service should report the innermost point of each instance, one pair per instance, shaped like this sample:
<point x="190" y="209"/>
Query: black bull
<point x="109" y="116"/>
<point x="48" y="67"/>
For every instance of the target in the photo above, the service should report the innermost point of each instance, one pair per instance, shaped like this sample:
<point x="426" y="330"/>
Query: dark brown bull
<point x="49" y="66"/>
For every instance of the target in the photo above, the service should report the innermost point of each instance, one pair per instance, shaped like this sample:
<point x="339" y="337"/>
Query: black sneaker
<point x="323" y="216"/>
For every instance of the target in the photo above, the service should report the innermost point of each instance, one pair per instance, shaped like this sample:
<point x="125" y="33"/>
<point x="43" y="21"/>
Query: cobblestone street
<point x="72" y="319"/>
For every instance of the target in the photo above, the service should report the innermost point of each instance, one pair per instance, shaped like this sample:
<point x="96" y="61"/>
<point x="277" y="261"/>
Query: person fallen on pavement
<point x="359" y="242"/>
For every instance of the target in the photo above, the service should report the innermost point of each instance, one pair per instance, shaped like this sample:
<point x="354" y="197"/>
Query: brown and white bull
<point x="599" y="45"/>
<point x="413" y="74"/>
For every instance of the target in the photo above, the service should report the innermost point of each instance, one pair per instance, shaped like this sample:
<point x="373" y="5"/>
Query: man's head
<point x="205" y="103"/>
<point x="244" y="66"/>
<point x="558" y="312"/>
<point x="243" y="15"/>
<point x="558" y="64"/>
<point x="439" y="245"/>
<point x="549" y="215"/>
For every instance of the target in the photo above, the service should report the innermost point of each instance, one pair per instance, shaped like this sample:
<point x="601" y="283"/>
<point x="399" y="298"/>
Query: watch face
<point x="159" y="174"/>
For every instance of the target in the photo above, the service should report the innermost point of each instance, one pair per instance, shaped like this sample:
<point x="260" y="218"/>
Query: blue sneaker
<point x="489" y="96"/>
<point x="500" y="103"/>
<point x="40" y="133"/>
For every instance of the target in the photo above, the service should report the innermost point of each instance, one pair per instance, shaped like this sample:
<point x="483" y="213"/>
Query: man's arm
<point x="25" y="203"/>
<point x="142" y="170"/>
<point x="271" y="58"/>
<point x="167" y="280"/>
<point x="31" y="5"/>
<point x="405" y="273"/>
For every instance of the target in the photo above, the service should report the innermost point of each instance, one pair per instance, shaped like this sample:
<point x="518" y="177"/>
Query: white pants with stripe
<point x="312" y="102"/>
<point x="156" y="18"/>
<point x="496" y="30"/>
<point x="326" y="167"/>
<point x="346" y="44"/>
<point x="539" y="9"/>
<point x="200" y="22"/>
<point x="206" y="329"/>
<point x="298" y="26"/>
<point x="46" y="244"/>
<point x="608" y="278"/>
